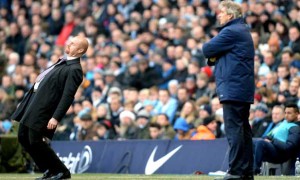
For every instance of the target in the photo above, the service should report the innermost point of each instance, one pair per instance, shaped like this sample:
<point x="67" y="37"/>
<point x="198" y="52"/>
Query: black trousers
<point x="239" y="136"/>
<point x="44" y="157"/>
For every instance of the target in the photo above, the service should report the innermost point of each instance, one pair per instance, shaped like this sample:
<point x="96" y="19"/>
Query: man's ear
<point x="80" y="51"/>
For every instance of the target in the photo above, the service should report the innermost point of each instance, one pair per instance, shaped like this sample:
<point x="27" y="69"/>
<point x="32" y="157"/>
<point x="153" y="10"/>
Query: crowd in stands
<point x="145" y="76"/>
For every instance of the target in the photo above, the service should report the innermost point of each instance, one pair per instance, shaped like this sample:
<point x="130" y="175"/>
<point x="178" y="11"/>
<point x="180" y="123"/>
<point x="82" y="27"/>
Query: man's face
<point x="154" y="132"/>
<point x="182" y="95"/>
<point x="224" y="17"/>
<point x="87" y="124"/>
<point x="277" y="115"/>
<point x="293" y="89"/>
<point x="162" y="120"/>
<point x="163" y="97"/>
<point x="294" y="34"/>
<point x="290" y="114"/>
<point x="72" y="48"/>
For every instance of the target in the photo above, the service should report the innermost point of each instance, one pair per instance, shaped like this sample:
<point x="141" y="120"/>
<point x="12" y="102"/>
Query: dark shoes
<point x="50" y="176"/>
<point x="61" y="175"/>
<point x="248" y="177"/>
<point x="46" y="175"/>
<point x="230" y="177"/>
<point x="236" y="177"/>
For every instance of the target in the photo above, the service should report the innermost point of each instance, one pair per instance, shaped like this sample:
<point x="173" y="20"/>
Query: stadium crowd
<point x="145" y="76"/>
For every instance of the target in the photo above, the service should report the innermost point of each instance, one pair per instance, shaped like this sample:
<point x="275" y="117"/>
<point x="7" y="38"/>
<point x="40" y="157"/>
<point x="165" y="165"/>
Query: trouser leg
<point x="40" y="151"/>
<point x="44" y="153"/>
<point x="239" y="137"/>
<point x="264" y="151"/>
<point x="248" y="150"/>
<point x="24" y="140"/>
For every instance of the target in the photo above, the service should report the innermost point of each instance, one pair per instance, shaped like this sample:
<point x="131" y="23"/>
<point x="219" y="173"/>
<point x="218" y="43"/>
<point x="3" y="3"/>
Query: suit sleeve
<point x="219" y="45"/>
<point x="72" y="83"/>
<point x="292" y="142"/>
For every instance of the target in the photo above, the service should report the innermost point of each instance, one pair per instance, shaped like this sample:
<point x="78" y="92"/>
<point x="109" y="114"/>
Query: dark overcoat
<point x="53" y="97"/>
<point x="233" y="51"/>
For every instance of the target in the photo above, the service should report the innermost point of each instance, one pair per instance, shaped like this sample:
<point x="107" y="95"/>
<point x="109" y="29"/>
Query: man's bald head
<point x="83" y="43"/>
<point x="77" y="46"/>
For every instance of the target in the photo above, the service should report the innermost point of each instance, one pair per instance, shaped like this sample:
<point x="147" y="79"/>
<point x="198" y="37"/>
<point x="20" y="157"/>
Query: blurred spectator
<point x="67" y="28"/>
<point x="166" y="128"/>
<point x="102" y="113"/>
<point x="286" y="56"/>
<point x="277" y="118"/>
<point x="207" y="130"/>
<point x="155" y="131"/>
<point x="14" y="38"/>
<point x="184" y="131"/>
<point x="203" y="112"/>
<point x="7" y="85"/>
<point x="181" y="70"/>
<point x="166" y="105"/>
<point x="295" y="68"/>
<point x="294" y="35"/>
<point x="7" y="105"/>
<point x="261" y="120"/>
<point x="215" y="105"/>
<point x="127" y="128"/>
<point x="142" y="122"/>
<point x="104" y="130"/>
<point x="167" y="73"/>
<point x="97" y="97"/>
<point x="291" y="96"/>
<point x="283" y="73"/>
<point x="20" y="91"/>
<point x="55" y="22"/>
<point x="182" y="97"/>
<point x="188" y="112"/>
<point x="115" y="107"/>
<point x="13" y="61"/>
<point x="173" y="87"/>
<point x="202" y="85"/>
<point x="148" y="76"/>
<point x="190" y="84"/>
<point x="88" y="130"/>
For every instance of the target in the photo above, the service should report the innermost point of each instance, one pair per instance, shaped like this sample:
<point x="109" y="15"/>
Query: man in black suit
<point x="45" y="105"/>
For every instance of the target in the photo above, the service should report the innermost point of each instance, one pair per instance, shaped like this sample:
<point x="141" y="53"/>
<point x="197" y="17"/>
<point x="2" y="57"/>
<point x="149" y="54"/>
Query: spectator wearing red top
<point x="67" y="28"/>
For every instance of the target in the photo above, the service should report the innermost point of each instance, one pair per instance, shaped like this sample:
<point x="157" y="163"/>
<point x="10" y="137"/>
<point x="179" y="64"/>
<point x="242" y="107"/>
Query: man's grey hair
<point x="232" y="8"/>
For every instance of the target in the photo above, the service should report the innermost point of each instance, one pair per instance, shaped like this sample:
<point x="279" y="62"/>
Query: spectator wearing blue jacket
<point x="282" y="143"/>
<point x="232" y="53"/>
<point x="166" y="105"/>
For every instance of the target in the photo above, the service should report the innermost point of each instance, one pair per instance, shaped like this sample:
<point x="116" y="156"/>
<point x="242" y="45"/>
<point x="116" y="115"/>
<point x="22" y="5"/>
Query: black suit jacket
<point x="53" y="97"/>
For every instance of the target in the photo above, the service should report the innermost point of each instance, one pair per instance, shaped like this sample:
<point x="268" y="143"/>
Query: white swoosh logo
<point x="152" y="165"/>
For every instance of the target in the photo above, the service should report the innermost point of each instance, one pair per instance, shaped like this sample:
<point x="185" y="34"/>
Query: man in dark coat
<point x="45" y="105"/>
<point x="232" y="53"/>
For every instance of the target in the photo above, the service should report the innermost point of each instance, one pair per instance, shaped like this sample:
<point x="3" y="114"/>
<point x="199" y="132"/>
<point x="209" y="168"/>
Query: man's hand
<point x="212" y="59"/>
<point x="52" y="123"/>
<point x="267" y="140"/>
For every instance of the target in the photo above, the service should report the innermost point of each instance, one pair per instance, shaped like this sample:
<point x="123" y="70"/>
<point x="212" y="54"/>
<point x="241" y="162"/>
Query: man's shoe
<point x="248" y="177"/>
<point x="230" y="177"/>
<point x="61" y="175"/>
<point x="46" y="175"/>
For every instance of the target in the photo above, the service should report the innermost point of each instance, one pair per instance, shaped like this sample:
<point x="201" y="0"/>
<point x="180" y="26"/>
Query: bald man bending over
<point x="45" y="105"/>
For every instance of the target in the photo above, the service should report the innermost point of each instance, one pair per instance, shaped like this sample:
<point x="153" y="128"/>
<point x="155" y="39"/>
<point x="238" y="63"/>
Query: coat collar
<point x="234" y="21"/>
<point x="73" y="61"/>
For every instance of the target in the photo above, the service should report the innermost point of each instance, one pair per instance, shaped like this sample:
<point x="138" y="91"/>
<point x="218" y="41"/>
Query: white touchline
<point x="152" y="165"/>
